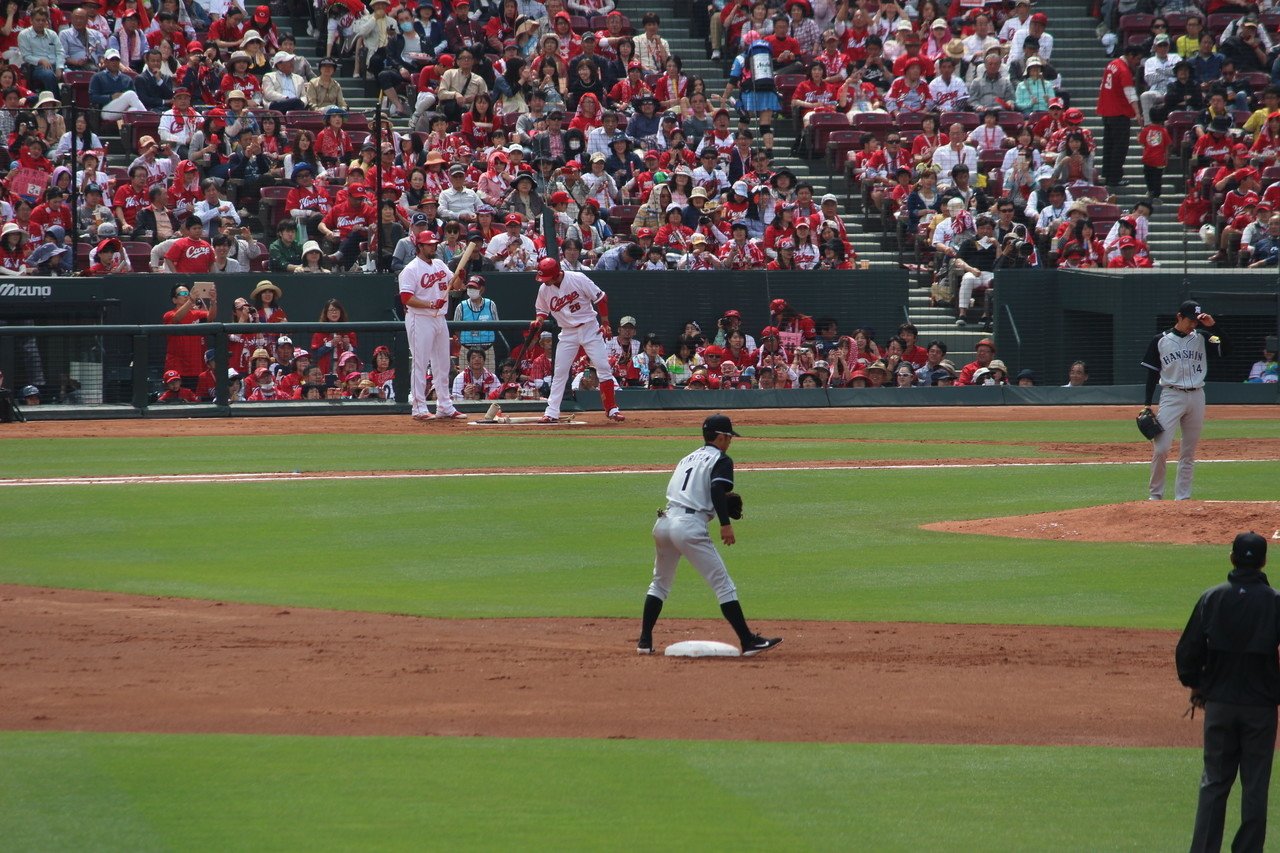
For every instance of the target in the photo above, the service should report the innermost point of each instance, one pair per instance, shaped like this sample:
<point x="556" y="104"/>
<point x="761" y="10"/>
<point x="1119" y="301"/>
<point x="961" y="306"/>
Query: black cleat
<point x="759" y="644"/>
<point x="644" y="646"/>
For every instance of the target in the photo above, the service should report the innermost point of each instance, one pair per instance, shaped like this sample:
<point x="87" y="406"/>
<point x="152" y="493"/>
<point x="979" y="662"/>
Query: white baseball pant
<point x="969" y="283"/>
<point x="588" y="337"/>
<point x="1183" y="409"/>
<point x="680" y="533"/>
<point x="429" y="345"/>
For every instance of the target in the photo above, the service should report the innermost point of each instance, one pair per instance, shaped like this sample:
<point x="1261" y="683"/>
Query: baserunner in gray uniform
<point x="1177" y="361"/>
<point x="697" y="493"/>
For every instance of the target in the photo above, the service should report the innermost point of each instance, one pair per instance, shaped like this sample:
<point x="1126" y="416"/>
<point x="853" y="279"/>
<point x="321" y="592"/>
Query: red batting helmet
<point x="426" y="238"/>
<point x="549" y="271"/>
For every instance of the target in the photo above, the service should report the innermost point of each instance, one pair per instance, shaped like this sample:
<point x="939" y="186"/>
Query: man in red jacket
<point x="985" y="351"/>
<point x="1118" y="106"/>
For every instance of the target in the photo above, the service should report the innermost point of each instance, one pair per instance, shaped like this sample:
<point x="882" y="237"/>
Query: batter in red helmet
<point x="425" y="283"/>
<point x="582" y="311"/>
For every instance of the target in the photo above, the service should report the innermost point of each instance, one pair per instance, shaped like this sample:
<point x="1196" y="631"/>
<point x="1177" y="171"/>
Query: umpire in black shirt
<point x="1228" y="657"/>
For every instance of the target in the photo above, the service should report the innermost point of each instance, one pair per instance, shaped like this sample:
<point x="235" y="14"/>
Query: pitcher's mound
<point x="1166" y="522"/>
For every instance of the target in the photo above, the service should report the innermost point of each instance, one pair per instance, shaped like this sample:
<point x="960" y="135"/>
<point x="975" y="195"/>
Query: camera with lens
<point x="1017" y="243"/>
<point x="704" y="220"/>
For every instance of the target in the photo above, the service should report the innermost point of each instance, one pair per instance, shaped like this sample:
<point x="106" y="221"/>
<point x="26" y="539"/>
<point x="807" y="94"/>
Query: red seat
<point x="601" y="23"/>
<point x="1010" y="121"/>
<point x="968" y="120"/>
<point x="839" y="144"/>
<point x="1271" y="173"/>
<point x="1177" y="22"/>
<point x="138" y="125"/>
<point x="508" y="122"/>
<point x="879" y="124"/>
<point x="78" y="83"/>
<point x="1136" y="23"/>
<point x="1096" y="193"/>
<point x="786" y="85"/>
<point x="988" y="160"/>
<point x="579" y="24"/>
<point x="1218" y="22"/>
<point x="262" y="263"/>
<point x="139" y="259"/>
<point x="821" y="126"/>
<point x="621" y="216"/>
<point x="1103" y="217"/>
<point x="1179" y="124"/>
<point x="271" y="210"/>
<point x="910" y="125"/>
<point x="1257" y="80"/>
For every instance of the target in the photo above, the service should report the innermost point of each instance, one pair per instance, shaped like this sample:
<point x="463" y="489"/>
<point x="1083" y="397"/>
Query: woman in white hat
<point x="313" y="260"/>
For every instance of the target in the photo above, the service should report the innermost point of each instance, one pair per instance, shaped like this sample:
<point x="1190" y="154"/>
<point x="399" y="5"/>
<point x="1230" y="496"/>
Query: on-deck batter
<point x="425" y="283"/>
<point x="698" y="491"/>
<point x="1177" y="361"/>
<point x="574" y="301"/>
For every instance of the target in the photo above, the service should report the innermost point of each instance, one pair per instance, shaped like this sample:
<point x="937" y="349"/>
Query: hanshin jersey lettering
<point x="1179" y="359"/>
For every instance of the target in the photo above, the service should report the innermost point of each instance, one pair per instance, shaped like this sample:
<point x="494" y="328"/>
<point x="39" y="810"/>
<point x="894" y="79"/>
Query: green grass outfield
<point x="78" y="791"/>
<point x="815" y="544"/>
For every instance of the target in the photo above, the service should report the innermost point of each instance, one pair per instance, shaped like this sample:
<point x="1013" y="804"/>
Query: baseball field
<point x="325" y="633"/>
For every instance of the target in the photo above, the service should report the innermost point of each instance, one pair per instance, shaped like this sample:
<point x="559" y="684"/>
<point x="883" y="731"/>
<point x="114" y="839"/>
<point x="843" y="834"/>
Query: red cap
<point x="548" y="271"/>
<point x="634" y="66"/>
<point x="769" y="332"/>
<point x="733" y="312"/>
<point x="643" y="232"/>
<point x="1127" y="243"/>
<point x="194" y="47"/>
<point x="1074" y="116"/>
<point x="262" y="14"/>
<point x="170" y="375"/>
<point x="713" y="350"/>
<point x="1056" y="102"/>
<point x="513" y="219"/>
<point x="1039" y="18"/>
<point x="426" y="238"/>
<point x="777" y="305"/>
<point x="559" y="197"/>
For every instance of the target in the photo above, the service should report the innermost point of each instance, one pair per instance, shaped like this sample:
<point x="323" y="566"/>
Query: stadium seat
<point x="1136" y="24"/>
<point x="786" y="85"/>
<point x="601" y="22"/>
<point x="262" y="263"/>
<point x="304" y="120"/>
<point x="1010" y="121"/>
<point x="1096" y="193"/>
<point x="621" y="216"/>
<point x="1103" y="217"/>
<point x="579" y="24"/>
<point x="138" y="125"/>
<point x="271" y="207"/>
<point x="839" y="144"/>
<point x="1218" y="22"/>
<point x="78" y="83"/>
<point x="879" y="124"/>
<point x="821" y="126"/>
<point x="910" y="125"/>
<point x="968" y="120"/>
<point x="1177" y="22"/>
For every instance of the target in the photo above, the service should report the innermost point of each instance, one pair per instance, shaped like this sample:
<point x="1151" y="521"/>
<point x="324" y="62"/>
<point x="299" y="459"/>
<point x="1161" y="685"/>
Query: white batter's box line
<point x="276" y="476"/>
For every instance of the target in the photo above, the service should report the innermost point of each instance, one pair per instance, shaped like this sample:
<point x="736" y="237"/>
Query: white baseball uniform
<point x="681" y="529"/>
<point x="428" y="281"/>
<point x="1180" y="361"/>
<point x="573" y="306"/>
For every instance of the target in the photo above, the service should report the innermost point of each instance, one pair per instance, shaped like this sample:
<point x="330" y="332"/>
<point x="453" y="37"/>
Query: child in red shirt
<point x="1155" y="142"/>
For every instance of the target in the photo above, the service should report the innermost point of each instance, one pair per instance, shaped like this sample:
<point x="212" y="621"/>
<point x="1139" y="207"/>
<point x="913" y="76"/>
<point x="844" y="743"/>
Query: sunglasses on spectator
<point x="184" y="292"/>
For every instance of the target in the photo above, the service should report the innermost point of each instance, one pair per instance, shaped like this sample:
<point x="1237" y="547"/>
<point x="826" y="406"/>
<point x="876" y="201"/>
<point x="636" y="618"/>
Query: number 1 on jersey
<point x="685" y="485"/>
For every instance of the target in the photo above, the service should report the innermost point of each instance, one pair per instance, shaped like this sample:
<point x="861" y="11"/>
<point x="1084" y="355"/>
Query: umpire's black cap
<point x="717" y="424"/>
<point x="1249" y="551"/>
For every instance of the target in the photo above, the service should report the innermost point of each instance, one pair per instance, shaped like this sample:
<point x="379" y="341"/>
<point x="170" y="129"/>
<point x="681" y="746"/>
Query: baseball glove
<point x="1148" y="425"/>
<point x="734" y="500"/>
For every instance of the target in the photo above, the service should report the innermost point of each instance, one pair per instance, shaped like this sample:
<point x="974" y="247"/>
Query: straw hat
<point x="267" y="285"/>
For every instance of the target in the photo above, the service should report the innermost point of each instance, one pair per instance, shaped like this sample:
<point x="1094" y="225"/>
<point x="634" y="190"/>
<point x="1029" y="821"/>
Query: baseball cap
<point x="513" y="219"/>
<point x="718" y="424"/>
<point x="170" y="375"/>
<point x="420" y="219"/>
<point x="1249" y="550"/>
<point x="33" y="391"/>
<point x="1189" y="309"/>
<point x="112" y="53"/>
<point x="627" y="321"/>
<point x="284" y="341"/>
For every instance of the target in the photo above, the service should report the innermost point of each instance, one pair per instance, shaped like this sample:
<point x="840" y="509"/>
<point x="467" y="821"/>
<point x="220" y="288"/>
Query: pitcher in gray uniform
<point x="1177" y="361"/>
<point x="697" y="493"/>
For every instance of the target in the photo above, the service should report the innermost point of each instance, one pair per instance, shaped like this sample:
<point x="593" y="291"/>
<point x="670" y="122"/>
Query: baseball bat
<point x="460" y="271"/>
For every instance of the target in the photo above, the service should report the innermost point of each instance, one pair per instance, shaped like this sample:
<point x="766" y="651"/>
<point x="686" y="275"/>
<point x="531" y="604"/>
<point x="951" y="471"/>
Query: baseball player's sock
<point x="732" y="611"/>
<point x="652" y="609"/>
<point x="606" y="396"/>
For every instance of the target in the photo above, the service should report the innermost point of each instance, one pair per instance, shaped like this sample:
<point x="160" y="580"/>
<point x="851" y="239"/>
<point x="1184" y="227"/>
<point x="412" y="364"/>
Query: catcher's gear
<point x="734" y="502"/>
<point x="1148" y="425"/>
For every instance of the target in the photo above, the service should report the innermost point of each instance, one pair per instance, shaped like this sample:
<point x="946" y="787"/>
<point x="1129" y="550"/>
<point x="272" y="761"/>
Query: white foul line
<point x="268" y="476"/>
